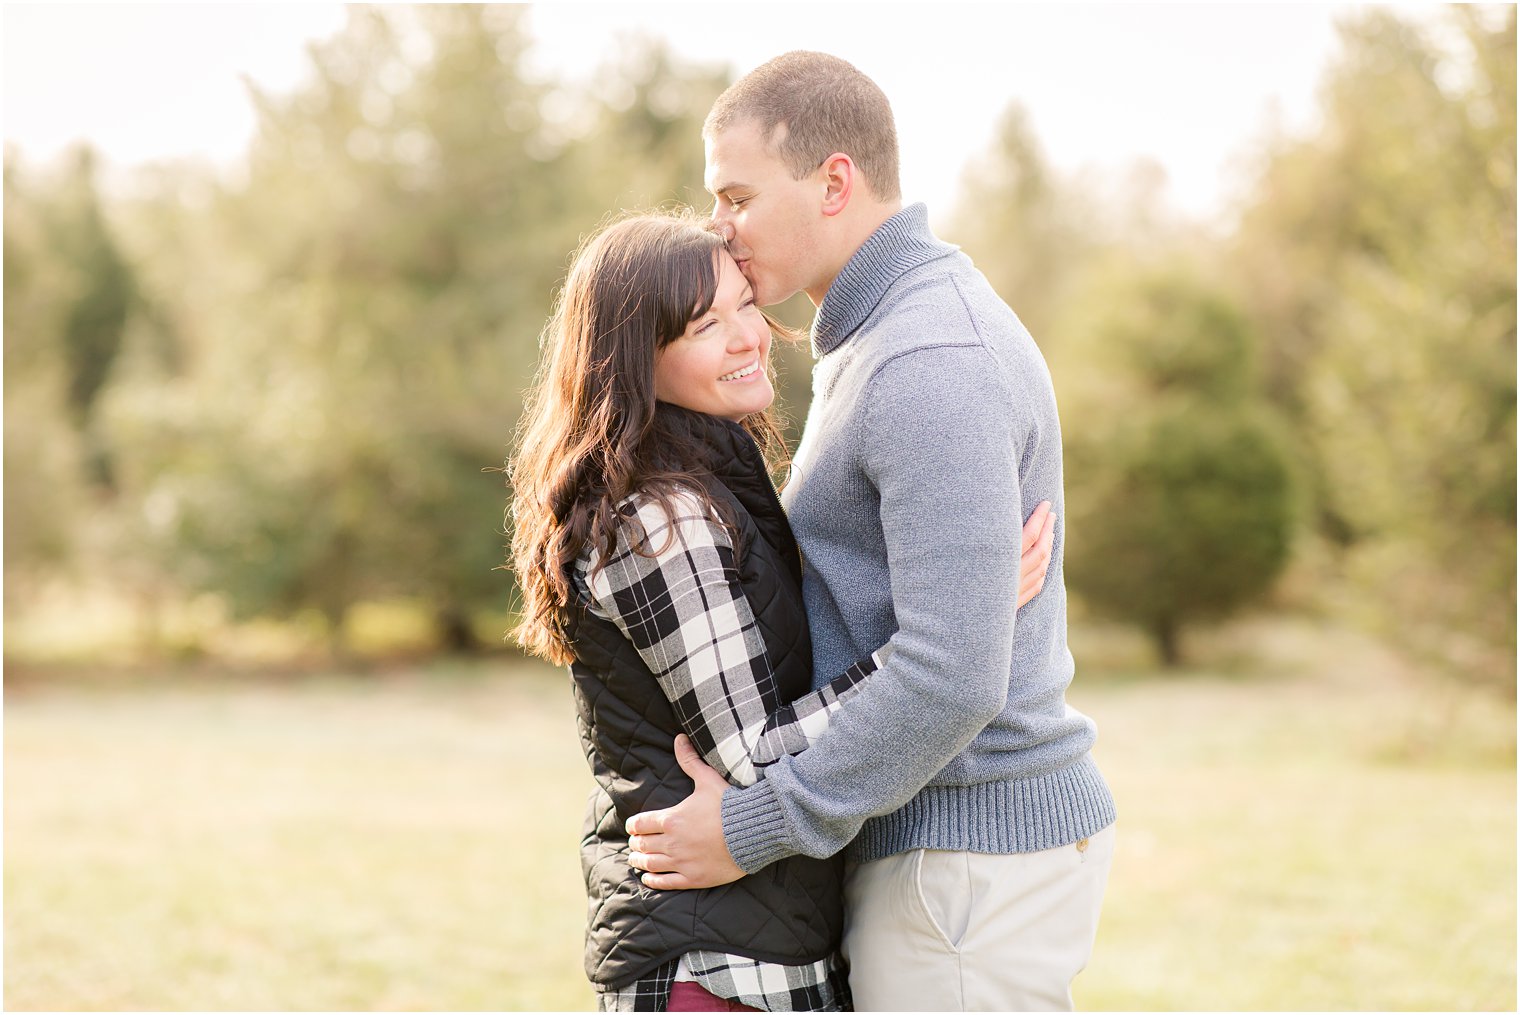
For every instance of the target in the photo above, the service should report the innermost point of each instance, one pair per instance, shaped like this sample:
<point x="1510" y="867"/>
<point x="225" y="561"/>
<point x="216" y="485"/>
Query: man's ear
<point x="838" y="178"/>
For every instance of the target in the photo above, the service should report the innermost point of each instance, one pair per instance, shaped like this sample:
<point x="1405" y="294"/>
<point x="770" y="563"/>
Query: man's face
<point x="771" y="220"/>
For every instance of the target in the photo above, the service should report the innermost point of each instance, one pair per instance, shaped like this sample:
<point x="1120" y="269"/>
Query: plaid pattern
<point x="685" y="612"/>
<point x="650" y="992"/>
<point x="820" y="986"/>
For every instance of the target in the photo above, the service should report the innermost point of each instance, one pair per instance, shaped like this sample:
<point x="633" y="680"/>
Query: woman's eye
<point x="705" y="326"/>
<point x="747" y="303"/>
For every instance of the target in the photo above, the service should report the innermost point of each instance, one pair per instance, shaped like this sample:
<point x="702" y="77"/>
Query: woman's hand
<point x="1039" y="538"/>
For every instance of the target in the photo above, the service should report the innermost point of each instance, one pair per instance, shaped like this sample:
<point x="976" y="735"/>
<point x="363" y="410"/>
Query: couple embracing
<point x="835" y="764"/>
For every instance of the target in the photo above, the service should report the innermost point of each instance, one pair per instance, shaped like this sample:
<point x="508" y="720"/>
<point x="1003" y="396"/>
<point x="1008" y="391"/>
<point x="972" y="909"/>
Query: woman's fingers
<point x="1047" y="542"/>
<point x="1035" y="561"/>
<point x="1034" y="527"/>
<point x="1029" y="587"/>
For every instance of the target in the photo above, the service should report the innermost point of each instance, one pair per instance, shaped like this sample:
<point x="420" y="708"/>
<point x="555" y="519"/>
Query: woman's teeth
<point x="737" y="374"/>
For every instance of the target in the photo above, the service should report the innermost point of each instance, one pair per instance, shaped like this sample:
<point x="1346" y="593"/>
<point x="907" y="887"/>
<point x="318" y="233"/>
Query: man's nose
<point x="724" y="227"/>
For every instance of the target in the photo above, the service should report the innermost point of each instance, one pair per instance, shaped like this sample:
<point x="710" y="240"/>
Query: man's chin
<point x="768" y="297"/>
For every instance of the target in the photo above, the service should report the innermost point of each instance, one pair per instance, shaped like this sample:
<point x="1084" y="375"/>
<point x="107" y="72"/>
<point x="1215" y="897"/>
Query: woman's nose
<point x="743" y="339"/>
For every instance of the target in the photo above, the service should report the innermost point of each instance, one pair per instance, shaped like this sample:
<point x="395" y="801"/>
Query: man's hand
<point x="683" y="845"/>
<point x="1038" y="541"/>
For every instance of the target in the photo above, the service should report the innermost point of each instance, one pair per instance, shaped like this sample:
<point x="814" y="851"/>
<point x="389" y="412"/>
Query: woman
<point x="656" y="562"/>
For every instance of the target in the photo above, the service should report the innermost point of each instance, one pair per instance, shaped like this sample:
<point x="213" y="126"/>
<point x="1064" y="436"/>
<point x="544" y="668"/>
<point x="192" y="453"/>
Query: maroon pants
<point x="688" y="996"/>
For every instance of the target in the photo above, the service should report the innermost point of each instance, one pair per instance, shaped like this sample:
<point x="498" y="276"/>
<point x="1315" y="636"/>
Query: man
<point x="979" y="828"/>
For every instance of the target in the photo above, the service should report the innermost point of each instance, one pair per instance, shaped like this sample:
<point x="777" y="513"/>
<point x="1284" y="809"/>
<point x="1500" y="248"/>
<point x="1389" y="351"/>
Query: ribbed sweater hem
<point x="761" y="835"/>
<point x="1017" y="816"/>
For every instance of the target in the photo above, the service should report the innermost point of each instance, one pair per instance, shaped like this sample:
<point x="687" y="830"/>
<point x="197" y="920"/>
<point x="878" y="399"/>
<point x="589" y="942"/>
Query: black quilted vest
<point x="789" y="912"/>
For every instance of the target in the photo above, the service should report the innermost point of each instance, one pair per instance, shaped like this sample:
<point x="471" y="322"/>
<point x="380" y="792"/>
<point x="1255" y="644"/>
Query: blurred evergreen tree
<point x="1195" y="520"/>
<point x="44" y="487"/>
<point x="397" y="223"/>
<point x="1379" y="256"/>
<point x="297" y="377"/>
<point x="1180" y="491"/>
<point x="1026" y="226"/>
<point x="381" y="279"/>
<point x="94" y="294"/>
<point x="97" y="312"/>
<point x="644" y="101"/>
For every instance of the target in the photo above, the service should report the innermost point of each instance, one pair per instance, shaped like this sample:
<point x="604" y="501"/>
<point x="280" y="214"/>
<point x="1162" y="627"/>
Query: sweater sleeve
<point x="941" y="440"/>
<point x="685" y="612"/>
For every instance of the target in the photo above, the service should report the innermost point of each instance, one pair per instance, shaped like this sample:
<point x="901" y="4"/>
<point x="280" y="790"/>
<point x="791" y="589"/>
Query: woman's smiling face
<point x="720" y="365"/>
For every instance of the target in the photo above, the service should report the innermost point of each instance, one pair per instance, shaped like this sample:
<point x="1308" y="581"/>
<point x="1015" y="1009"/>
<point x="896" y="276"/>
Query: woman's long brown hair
<point x="590" y="434"/>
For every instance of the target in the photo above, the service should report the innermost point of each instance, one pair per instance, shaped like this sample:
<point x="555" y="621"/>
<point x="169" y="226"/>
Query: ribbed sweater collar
<point x="900" y="244"/>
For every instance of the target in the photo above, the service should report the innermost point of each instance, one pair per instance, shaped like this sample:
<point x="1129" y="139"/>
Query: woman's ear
<point x="838" y="179"/>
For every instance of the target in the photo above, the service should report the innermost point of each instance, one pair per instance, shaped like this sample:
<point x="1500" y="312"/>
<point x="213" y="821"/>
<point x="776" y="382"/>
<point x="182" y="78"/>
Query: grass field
<point x="1305" y="823"/>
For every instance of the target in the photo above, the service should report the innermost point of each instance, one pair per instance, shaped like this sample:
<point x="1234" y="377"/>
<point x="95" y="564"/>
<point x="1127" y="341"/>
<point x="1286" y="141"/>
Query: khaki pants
<point x="930" y="930"/>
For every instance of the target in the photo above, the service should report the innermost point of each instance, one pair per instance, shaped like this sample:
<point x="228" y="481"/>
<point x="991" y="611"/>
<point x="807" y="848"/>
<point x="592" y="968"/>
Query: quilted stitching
<point x="789" y="912"/>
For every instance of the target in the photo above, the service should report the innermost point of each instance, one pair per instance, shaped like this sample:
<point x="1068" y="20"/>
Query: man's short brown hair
<point x="827" y="106"/>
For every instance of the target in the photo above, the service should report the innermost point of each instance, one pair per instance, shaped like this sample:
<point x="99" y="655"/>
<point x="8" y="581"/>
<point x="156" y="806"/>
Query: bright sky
<point x="1189" y="86"/>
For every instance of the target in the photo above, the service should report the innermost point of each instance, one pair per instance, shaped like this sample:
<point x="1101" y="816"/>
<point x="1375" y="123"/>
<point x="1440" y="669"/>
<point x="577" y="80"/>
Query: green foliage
<point x="311" y="401"/>
<point x="1192" y="519"/>
<point x="646" y="103"/>
<point x="412" y="292"/>
<point x="1177" y="337"/>
<point x="373" y="292"/>
<point x="96" y="315"/>
<point x="1373" y="264"/>
<point x="67" y="295"/>
<point x="1182" y="495"/>
<point x="42" y="490"/>
<point x="288" y="384"/>
<point x="1027" y="228"/>
<point x="1378" y="254"/>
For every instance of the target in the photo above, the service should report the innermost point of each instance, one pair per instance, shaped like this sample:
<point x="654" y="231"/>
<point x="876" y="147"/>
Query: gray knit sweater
<point x="932" y="436"/>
